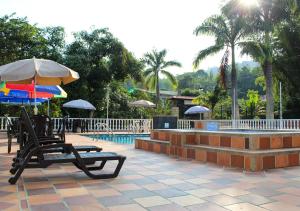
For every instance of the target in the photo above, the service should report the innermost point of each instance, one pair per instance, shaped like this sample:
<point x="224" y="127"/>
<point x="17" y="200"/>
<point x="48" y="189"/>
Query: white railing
<point x="249" y="124"/>
<point x="145" y="125"/>
<point x="92" y="124"/>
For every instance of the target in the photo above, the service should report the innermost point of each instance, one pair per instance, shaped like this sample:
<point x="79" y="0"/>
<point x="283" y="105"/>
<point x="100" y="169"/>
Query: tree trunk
<point x="269" y="90"/>
<point x="235" y="114"/>
<point x="157" y="89"/>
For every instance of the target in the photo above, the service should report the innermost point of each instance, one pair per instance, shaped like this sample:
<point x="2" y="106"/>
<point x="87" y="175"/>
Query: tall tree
<point x="100" y="60"/>
<point x="228" y="29"/>
<point x="263" y="18"/>
<point x="156" y="64"/>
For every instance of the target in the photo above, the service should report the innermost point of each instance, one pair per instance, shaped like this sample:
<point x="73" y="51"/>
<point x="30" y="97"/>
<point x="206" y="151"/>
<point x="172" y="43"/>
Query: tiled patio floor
<point x="148" y="181"/>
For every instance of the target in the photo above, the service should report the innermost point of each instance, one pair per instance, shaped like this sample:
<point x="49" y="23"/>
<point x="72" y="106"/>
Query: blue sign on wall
<point x="212" y="126"/>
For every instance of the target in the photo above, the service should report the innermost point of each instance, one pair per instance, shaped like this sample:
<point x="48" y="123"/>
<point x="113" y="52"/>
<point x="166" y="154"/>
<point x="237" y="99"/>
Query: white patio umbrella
<point x="41" y="71"/>
<point x="142" y="103"/>
<point x="79" y="104"/>
<point x="197" y="110"/>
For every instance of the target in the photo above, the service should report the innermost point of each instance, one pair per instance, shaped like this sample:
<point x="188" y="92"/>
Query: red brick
<point x="281" y="161"/>
<point x="214" y="140"/>
<point x="150" y="147"/>
<point x="191" y="154"/>
<point x="179" y="140"/>
<point x="190" y="139"/>
<point x="223" y="159"/>
<point x="212" y="157"/>
<point x="264" y="143"/>
<point x="156" y="148"/>
<point x="204" y="140"/>
<point x="247" y="163"/>
<point x="201" y="155"/>
<point x="237" y="161"/>
<point x="225" y="141"/>
<point x="163" y="149"/>
<point x="155" y="135"/>
<point x="296" y="141"/>
<point x="161" y="136"/>
<point x="276" y="142"/>
<point x="269" y="162"/>
<point x="293" y="159"/>
<point x="145" y="145"/>
<point x="238" y="142"/>
<point x="287" y="142"/>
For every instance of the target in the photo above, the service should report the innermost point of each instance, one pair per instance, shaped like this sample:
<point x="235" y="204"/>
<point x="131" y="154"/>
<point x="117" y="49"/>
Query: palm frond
<point x="150" y="81"/>
<point x="170" y="77"/>
<point x="148" y="72"/>
<point x="215" y="26"/>
<point x="253" y="49"/>
<point x="207" y="52"/>
<point x="171" y="63"/>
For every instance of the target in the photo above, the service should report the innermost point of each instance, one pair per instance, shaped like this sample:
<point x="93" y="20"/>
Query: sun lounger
<point x="42" y="159"/>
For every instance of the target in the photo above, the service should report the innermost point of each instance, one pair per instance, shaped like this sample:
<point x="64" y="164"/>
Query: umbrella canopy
<point x="42" y="71"/>
<point x="142" y="103"/>
<point x="38" y="88"/>
<point x="197" y="110"/>
<point x="21" y="101"/>
<point x="80" y="104"/>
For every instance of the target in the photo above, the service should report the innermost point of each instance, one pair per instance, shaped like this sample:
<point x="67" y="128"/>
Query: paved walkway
<point x="148" y="181"/>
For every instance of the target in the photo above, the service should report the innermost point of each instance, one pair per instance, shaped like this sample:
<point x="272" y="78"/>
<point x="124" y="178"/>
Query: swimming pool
<point x="119" y="138"/>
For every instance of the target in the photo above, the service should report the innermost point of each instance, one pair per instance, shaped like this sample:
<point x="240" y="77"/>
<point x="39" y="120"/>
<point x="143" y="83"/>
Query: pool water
<point x="119" y="138"/>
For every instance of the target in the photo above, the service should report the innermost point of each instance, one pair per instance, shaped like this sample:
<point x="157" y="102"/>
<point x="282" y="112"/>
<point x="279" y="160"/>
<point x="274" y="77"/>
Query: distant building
<point x="179" y="104"/>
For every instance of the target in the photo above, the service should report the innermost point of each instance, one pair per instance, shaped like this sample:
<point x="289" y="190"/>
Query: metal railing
<point x="92" y="124"/>
<point x="250" y="124"/>
<point x="145" y="125"/>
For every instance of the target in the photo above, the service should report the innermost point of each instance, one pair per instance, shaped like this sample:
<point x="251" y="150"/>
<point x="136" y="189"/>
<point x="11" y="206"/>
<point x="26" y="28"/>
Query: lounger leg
<point x="9" y="144"/>
<point x="87" y="170"/>
<point x="15" y="178"/>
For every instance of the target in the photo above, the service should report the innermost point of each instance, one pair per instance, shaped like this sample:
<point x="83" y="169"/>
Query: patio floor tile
<point x="128" y="207"/>
<point x="148" y="181"/>
<point x="244" y="206"/>
<point x="233" y="192"/>
<point x="152" y="201"/>
<point x="222" y="199"/>
<point x="280" y="206"/>
<point x="186" y="200"/>
<point x="54" y="206"/>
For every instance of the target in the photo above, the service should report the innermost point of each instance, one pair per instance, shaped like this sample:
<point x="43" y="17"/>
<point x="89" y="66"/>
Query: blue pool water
<point x="119" y="138"/>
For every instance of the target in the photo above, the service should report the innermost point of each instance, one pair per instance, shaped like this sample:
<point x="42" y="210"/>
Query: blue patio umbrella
<point x="20" y="101"/>
<point x="79" y="104"/>
<point x="197" y="110"/>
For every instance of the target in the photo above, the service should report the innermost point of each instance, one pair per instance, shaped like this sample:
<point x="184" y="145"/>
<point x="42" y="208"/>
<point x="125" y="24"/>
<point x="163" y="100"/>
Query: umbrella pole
<point x="107" y="105"/>
<point x="35" y="110"/>
<point x="48" y="112"/>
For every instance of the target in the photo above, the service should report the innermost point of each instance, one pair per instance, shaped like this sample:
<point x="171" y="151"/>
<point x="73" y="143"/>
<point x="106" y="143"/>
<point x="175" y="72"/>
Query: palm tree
<point x="155" y="61"/>
<point x="263" y="19"/>
<point x="228" y="29"/>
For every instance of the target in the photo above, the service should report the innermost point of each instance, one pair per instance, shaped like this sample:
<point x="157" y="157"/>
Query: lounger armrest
<point x="53" y="146"/>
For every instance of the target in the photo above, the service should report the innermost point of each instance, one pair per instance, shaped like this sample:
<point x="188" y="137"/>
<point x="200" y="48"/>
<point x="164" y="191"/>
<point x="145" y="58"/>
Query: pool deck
<point x="148" y="181"/>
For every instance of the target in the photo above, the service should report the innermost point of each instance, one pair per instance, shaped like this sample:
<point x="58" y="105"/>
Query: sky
<point x="141" y="25"/>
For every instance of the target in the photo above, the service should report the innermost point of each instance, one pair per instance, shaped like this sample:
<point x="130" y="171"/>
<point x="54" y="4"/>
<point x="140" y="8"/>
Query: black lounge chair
<point x="43" y="127"/>
<point x="12" y="131"/>
<point x="44" y="140"/>
<point x="42" y="159"/>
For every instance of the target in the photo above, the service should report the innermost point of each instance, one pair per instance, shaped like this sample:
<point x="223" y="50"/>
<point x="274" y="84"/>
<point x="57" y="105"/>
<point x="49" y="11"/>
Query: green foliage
<point x="156" y="64"/>
<point x="211" y="98"/>
<point x="200" y="80"/>
<point x="252" y="107"/>
<point x="101" y="60"/>
<point x="249" y="79"/>
<point x="190" y="92"/>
